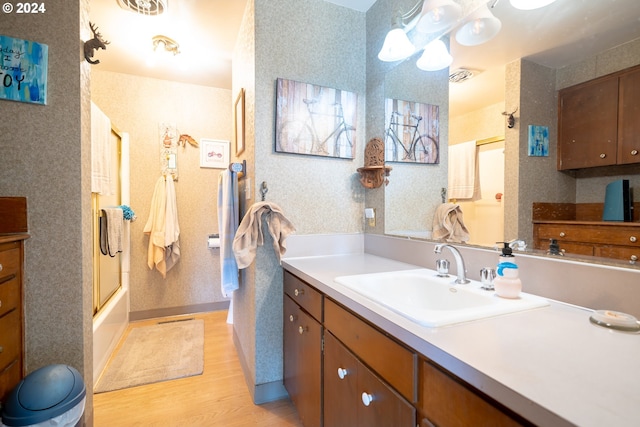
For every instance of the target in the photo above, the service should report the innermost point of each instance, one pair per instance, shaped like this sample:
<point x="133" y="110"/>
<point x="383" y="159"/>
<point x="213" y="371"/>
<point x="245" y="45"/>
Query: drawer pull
<point x="302" y="329"/>
<point x="562" y="234"/>
<point x="633" y="259"/>
<point x="342" y="373"/>
<point x="7" y="279"/>
<point x="1" y="349"/>
<point x="367" y="398"/>
<point x="602" y="156"/>
<point x="634" y="152"/>
<point x="298" y="292"/>
<point x="292" y="318"/>
<point x="1" y="267"/>
<point x="633" y="239"/>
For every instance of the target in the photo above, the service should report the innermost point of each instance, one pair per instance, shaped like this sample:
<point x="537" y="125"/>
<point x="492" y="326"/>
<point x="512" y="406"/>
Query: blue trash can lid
<point x="42" y="395"/>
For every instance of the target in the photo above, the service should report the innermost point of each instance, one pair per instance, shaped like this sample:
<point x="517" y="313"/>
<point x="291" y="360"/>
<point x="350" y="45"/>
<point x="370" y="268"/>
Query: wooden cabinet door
<point x="340" y="396"/>
<point x="344" y="405"/>
<point x="302" y="352"/>
<point x="629" y="119"/>
<point x="588" y="123"/>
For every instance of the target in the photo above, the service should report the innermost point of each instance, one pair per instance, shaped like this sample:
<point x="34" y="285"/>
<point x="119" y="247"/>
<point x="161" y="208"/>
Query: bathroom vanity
<point x="351" y="361"/>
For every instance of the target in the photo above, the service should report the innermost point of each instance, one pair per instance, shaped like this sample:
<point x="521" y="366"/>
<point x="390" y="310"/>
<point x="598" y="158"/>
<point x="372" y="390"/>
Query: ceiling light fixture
<point x="438" y="15"/>
<point x="165" y="44"/>
<point x="435" y="57"/>
<point x="480" y="27"/>
<point x="530" y="4"/>
<point x="144" y="7"/>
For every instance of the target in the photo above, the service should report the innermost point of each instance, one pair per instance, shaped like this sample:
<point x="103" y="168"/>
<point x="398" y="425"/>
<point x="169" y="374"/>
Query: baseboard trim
<point x="260" y="393"/>
<point x="178" y="311"/>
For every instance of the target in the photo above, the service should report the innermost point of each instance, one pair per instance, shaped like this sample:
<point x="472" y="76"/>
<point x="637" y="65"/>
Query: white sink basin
<point x="423" y="297"/>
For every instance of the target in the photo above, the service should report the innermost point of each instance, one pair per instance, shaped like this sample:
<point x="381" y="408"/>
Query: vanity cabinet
<point x="11" y="312"/>
<point x="598" y="122"/>
<point x="369" y="378"/>
<point x="302" y="348"/>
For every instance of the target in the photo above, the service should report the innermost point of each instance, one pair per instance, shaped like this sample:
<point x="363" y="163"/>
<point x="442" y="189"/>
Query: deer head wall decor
<point x="94" y="44"/>
<point x="511" y="121"/>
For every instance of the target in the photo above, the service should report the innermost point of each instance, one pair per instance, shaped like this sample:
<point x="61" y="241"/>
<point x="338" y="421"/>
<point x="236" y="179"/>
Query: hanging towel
<point x="155" y="228"/>
<point x="100" y="152"/>
<point x="228" y="217"/>
<point x="111" y="231"/>
<point x="448" y="224"/>
<point x="171" y="228"/>
<point x="249" y="235"/>
<point x="464" y="173"/>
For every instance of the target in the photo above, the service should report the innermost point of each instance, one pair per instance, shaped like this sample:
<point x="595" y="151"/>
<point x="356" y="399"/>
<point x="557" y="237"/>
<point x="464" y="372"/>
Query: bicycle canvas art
<point x="315" y="120"/>
<point x="412" y="132"/>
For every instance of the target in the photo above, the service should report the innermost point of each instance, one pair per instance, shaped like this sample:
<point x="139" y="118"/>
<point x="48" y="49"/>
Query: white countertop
<point x="551" y="364"/>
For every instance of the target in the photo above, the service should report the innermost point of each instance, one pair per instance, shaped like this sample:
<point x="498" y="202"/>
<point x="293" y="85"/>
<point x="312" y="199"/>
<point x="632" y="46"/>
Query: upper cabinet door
<point x="587" y="125"/>
<point x="629" y="119"/>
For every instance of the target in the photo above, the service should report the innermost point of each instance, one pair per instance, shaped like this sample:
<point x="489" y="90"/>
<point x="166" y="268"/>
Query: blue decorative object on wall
<point x="23" y="70"/>
<point x="538" y="141"/>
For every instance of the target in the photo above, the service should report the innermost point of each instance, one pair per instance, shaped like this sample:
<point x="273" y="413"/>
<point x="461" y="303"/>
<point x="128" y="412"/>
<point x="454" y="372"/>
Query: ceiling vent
<point x="144" y="7"/>
<point x="462" y="75"/>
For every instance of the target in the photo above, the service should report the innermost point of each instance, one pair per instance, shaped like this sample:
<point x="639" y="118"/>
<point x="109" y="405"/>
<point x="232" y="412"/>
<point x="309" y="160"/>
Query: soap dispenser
<point x="507" y="284"/>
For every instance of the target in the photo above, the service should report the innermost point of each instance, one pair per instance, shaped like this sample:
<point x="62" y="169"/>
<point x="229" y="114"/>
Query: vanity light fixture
<point x="438" y="15"/>
<point x="397" y="45"/>
<point x="480" y="27"/>
<point x="435" y="57"/>
<point x="530" y="4"/>
<point x="164" y="44"/>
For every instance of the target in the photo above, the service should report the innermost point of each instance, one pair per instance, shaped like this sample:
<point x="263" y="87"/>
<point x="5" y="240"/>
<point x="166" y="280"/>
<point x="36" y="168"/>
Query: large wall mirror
<point x="520" y="70"/>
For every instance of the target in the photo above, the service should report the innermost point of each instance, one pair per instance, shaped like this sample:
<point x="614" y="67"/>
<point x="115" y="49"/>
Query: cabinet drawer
<point x="9" y="295"/>
<point x="304" y="295"/>
<point x="445" y="402"/>
<point x="618" y="252"/>
<point x="10" y="376"/>
<point x="9" y="264"/>
<point x="586" y="233"/>
<point x="10" y="338"/>
<point x="392" y="361"/>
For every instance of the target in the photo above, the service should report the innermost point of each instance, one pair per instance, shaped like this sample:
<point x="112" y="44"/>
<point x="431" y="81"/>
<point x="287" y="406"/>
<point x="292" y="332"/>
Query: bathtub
<point x="108" y="327"/>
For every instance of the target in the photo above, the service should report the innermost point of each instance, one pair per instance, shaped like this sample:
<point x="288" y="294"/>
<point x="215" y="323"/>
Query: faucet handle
<point x="486" y="277"/>
<point x="442" y="267"/>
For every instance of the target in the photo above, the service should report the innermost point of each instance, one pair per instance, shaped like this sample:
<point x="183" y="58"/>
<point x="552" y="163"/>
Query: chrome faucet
<point x="460" y="268"/>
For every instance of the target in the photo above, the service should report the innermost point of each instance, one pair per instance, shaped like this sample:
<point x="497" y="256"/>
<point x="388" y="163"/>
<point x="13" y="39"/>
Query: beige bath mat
<point x="160" y="352"/>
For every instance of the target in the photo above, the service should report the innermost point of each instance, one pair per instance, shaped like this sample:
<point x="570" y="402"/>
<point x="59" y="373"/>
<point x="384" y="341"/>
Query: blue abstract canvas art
<point x="23" y="70"/>
<point x="538" y="141"/>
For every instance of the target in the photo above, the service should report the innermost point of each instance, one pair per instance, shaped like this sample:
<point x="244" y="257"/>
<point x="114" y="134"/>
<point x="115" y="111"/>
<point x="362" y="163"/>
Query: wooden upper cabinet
<point x="588" y="125"/>
<point x="629" y="118"/>
<point x="599" y="122"/>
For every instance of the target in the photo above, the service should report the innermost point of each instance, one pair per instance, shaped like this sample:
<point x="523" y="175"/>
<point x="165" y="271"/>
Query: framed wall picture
<point x="315" y="120"/>
<point x="214" y="153"/>
<point x="239" y="122"/>
<point x="412" y="132"/>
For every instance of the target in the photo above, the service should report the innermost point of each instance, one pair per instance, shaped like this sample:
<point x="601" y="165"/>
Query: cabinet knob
<point x="562" y="234"/>
<point x="633" y="259"/>
<point x="603" y="155"/>
<point x="302" y="329"/>
<point x="1" y="267"/>
<point x="298" y="292"/>
<point x="367" y="398"/>
<point x="633" y="239"/>
<point x="634" y="152"/>
<point x="292" y="318"/>
<point x="342" y="373"/>
<point x="1" y="349"/>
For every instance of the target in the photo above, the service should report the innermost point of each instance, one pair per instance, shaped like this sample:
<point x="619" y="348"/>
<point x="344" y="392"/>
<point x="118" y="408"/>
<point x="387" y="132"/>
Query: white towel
<point x="249" y="235"/>
<point x="100" y="152"/>
<point x="155" y="227"/>
<point x="228" y="217"/>
<point x="464" y="176"/>
<point x="114" y="220"/>
<point x="171" y="228"/>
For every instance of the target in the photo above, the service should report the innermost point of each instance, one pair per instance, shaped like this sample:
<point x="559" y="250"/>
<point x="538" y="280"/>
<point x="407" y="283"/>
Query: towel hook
<point x="263" y="190"/>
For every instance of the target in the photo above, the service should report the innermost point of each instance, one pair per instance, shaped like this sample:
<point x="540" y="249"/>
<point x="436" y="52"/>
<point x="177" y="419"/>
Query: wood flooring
<point x="218" y="397"/>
